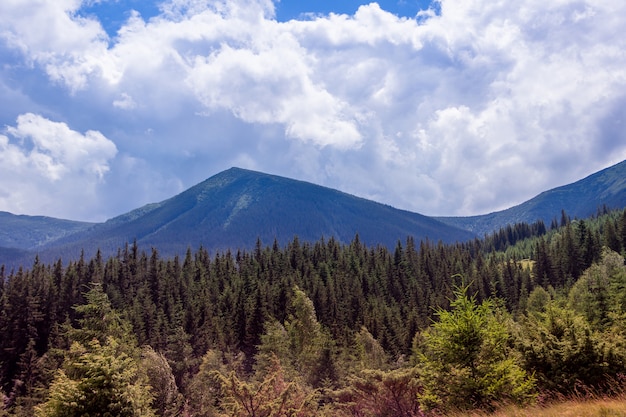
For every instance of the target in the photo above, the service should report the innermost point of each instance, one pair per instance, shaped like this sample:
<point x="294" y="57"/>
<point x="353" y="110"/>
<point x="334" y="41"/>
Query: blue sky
<point x="113" y="14"/>
<point x="294" y="9"/>
<point x="450" y="108"/>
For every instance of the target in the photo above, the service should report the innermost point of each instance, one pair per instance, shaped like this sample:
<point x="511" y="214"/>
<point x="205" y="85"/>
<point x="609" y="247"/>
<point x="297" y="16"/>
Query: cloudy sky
<point x="455" y="107"/>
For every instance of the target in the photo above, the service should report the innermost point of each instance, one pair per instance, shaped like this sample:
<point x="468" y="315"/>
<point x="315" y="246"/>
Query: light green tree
<point x="100" y="375"/>
<point x="565" y="353"/>
<point x="97" y="380"/>
<point x="369" y="353"/>
<point x="205" y="392"/>
<point x="464" y="360"/>
<point x="301" y="344"/>
<point x="600" y="293"/>
<point x="378" y="393"/>
<point x="304" y="332"/>
<point x="168" y="401"/>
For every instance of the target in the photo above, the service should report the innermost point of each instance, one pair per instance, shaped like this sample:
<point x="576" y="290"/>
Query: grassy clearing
<point x="527" y="264"/>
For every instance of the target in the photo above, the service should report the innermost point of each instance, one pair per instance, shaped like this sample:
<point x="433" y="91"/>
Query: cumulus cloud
<point x="51" y="34"/>
<point x="45" y="162"/>
<point x="471" y="109"/>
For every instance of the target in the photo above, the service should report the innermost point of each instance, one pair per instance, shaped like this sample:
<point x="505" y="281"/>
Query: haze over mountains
<point x="234" y="208"/>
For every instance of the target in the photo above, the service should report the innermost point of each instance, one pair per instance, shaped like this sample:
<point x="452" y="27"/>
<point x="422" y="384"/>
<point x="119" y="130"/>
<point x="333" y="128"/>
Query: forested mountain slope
<point x="579" y="200"/>
<point x="234" y="208"/>
<point x="324" y="328"/>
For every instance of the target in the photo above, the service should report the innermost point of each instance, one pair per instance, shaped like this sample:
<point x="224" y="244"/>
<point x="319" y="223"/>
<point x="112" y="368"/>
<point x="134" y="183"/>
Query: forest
<point x="524" y="315"/>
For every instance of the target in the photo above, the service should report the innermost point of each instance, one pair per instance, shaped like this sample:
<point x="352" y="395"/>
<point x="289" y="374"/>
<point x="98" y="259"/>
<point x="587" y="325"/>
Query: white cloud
<point x="125" y="102"/>
<point x="51" y="34"/>
<point x="46" y="167"/>
<point x="63" y="149"/>
<point x="472" y="110"/>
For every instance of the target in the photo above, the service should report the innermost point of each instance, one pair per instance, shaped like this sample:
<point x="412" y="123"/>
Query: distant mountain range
<point x="234" y="208"/>
<point x="579" y="200"/>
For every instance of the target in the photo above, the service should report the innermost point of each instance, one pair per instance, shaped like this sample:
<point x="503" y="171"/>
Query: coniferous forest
<point x="529" y="313"/>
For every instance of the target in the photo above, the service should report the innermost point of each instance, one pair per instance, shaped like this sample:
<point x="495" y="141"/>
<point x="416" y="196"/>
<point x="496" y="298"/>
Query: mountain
<point x="232" y="209"/>
<point x="580" y="199"/>
<point x="28" y="232"/>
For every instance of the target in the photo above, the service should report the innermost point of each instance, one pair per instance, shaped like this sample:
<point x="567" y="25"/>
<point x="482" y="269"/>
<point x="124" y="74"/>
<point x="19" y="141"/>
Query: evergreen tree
<point x="98" y="380"/>
<point x="379" y="393"/>
<point x="610" y="238"/>
<point x="100" y="375"/>
<point x="464" y="361"/>
<point x="268" y="395"/>
<point x="168" y="401"/>
<point x="566" y="354"/>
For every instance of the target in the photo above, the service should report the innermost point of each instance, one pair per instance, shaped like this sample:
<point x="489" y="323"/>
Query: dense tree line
<point x="319" y="326"/>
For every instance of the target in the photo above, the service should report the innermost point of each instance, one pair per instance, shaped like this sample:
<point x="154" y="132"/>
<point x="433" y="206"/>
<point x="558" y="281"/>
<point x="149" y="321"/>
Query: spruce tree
<point x="464" y="361"/>
<point x="100" y="375"/>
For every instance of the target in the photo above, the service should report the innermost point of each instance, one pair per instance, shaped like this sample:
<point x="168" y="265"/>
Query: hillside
<point x="232" y="209"/>
<point x="580" y="199"/>
<point x="29" y="232"/>
<point x="356" y="327"/>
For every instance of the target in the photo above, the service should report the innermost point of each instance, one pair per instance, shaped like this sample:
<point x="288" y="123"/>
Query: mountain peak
<point x="237" y="171"/>
<point x="235" y="207"/>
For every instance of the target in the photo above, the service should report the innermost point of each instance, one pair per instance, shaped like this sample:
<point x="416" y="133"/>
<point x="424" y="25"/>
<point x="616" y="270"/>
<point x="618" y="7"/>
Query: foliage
<point x="269" y="396"/>
<point x="464" y="361"/>
<point x="369" y="353"/>
<point x="578" y="342"/>
<point x="97" y="380"/>
<point x="599" y="293"/>
<point x="205" y="391"/>
<point x="378" y="393"/>
<point x="168" y="401"/>
<point x="564" y="352"/>
<point x="339" y="318"/>
<point x="100" y="376"/>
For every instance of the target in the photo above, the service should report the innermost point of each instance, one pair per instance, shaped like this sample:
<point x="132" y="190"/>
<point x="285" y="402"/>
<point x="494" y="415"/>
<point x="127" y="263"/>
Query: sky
<point x="455" y="107"/>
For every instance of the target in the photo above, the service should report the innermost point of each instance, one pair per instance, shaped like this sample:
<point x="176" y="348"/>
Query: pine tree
<point x="379" y="393"/>
<point x="564" y="353"/>
<point x="168" y="401"/>
<point x="98" y="381"/>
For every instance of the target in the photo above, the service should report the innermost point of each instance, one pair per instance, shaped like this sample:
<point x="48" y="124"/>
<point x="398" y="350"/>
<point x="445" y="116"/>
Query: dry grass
<point x="599" y="407"/>
<point x="608" y="400"/>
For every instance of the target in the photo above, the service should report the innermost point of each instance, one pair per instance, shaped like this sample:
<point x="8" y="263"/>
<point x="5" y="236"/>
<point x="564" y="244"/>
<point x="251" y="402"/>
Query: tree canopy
<point x="328" y="328"/>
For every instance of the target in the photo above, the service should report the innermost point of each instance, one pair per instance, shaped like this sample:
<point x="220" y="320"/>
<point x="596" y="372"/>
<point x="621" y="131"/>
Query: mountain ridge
<point x="234" y="208"/>
<point x="21" y="231"/>
<point x="579" y="199"/>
